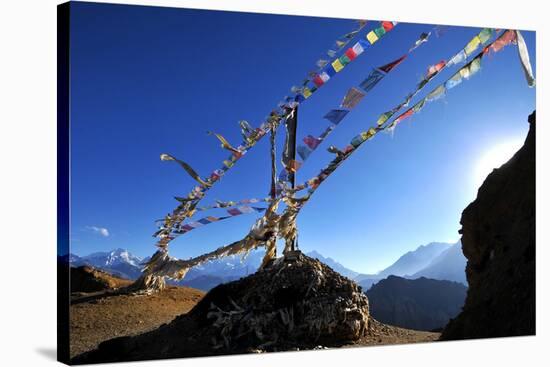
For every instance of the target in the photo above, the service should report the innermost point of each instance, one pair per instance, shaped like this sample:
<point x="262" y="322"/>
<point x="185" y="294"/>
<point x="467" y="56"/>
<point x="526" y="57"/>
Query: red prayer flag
<point x="388" y="67"/>
<point x="387" y="26"/>
<point x="350" y="53"/>
<point x="318" y="81"/>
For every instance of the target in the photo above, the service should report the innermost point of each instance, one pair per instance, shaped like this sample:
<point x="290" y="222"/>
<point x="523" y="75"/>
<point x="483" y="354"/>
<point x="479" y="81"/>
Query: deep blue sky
<point x="148" y="80"/>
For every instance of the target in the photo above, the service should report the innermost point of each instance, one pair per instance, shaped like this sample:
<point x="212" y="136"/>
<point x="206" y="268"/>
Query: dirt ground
<point x="382" y="334"/>
<point x="95" y="319"/>
<point x="98" y="319"/>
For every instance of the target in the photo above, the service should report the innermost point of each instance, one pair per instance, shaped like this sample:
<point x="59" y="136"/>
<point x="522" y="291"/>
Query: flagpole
<point x="292" y="176"/>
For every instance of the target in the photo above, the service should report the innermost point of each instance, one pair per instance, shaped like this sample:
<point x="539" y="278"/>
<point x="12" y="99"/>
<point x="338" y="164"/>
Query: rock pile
<point x="295" y="303"/>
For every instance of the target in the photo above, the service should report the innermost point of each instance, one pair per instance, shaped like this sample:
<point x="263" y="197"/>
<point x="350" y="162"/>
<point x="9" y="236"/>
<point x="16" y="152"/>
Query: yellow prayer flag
<point x="306" y="92"/>
<point x="465" y="72"/>
<point x="472" y="45"/>
<point x="383" y="118"/>
<point x="337" y="65"/>
<point x="372" y="37"/>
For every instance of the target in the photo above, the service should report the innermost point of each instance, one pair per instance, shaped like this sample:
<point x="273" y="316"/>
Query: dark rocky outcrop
<point x="498" y="238"/>
<point x="296" y="302"/>
<point x="419" y="304"/>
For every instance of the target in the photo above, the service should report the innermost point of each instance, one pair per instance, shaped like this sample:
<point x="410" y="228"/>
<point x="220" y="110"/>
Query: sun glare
<point x="495" y="157"/>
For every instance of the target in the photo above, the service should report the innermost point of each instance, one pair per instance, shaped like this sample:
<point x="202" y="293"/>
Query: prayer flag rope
<point x="471" y="68"/>
<point x="352" y="98"/>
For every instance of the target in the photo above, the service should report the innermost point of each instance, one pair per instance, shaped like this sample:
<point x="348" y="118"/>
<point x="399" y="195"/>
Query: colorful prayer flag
<point x="312" y="142"/>
<point x="388" y="26"/>
<point x="344" y="59"/>
<point x="458" y="58"/>
<point x="380" y="31"/>
<point x="374" y="77"/>
<point x="352" y="98"/>
<point x="436" y="93"/>
<point x="350" y="53"/>
<point x="455" y="80"/>
<point x="372" y="37"/>
<point x="485" y="35"/>
<point x="337" y="65"/>
<point x="335" y="116"/>
<point x="357" y="49"/>
<point x="472" y="46"/>
<point x="388" y="67"/>
<point x="505" y="39"/>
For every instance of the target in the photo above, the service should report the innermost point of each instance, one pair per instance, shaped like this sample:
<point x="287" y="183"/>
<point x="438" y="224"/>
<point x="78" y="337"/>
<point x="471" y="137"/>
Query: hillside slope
<point x="420" y="304"/>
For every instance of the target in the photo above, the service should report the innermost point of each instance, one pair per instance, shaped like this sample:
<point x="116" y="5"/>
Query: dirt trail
<point x="101" y="319"/>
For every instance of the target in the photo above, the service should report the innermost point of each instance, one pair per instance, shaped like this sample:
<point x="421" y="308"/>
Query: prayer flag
<point x="337" y="65"/>
<point x="350" y="53"/>
<point x="374" y="77"/>
<point x="344" y="59"/>
<point x="357" y="49"/>
<point x="380" y="31"/>
<point x="384" y="117"/>
<point x="352" y="98"/>
<point x="318" y="81"/>
<point x="388" y="67"/>
<point x="234" y="211"/>
<point x="505" y="39"/>
<point x="307" y="92"/>
<point x="312" y="142"/>
<point x="388" y="26"/>
<point x="335" y="116"/>
<point x="524" y="58"/>
<point x="372" y="37"/>
<point x="472" y="46"/>
<point x="455" y="80"/>
<point x="485" y="35"/>
<point x="436" y="93"/>
<point x="458" y="58"/>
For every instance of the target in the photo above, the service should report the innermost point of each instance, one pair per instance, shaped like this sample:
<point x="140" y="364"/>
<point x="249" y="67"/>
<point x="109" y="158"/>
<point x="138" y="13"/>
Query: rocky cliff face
<point x="498" y="239"/>
<point x="295" y="302"/>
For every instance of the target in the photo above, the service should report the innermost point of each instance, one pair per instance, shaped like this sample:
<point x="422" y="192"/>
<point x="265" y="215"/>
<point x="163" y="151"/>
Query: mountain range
<point x="419" y="304"/>
<point x="441" y="261"/>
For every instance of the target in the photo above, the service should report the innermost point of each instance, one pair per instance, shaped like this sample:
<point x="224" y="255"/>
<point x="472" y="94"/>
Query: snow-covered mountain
<point x="118" y="262"/>
<point x="435" y="260"/>
<point x="449" y="265"/>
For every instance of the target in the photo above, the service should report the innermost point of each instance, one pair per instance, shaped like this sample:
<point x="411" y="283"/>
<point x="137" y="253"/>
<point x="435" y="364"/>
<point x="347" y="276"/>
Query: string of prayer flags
<point x="352" y="98"/>
<point x="226" y="204"/>
<point x="335" y="116"/>
<point x="184" y="228"/>
<point x="465" y="72"/>
<point x="186" y="167"/>
<point x="524" y="58"/>
<point x="327" y="69"/>
<point x="355" y="95"/>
